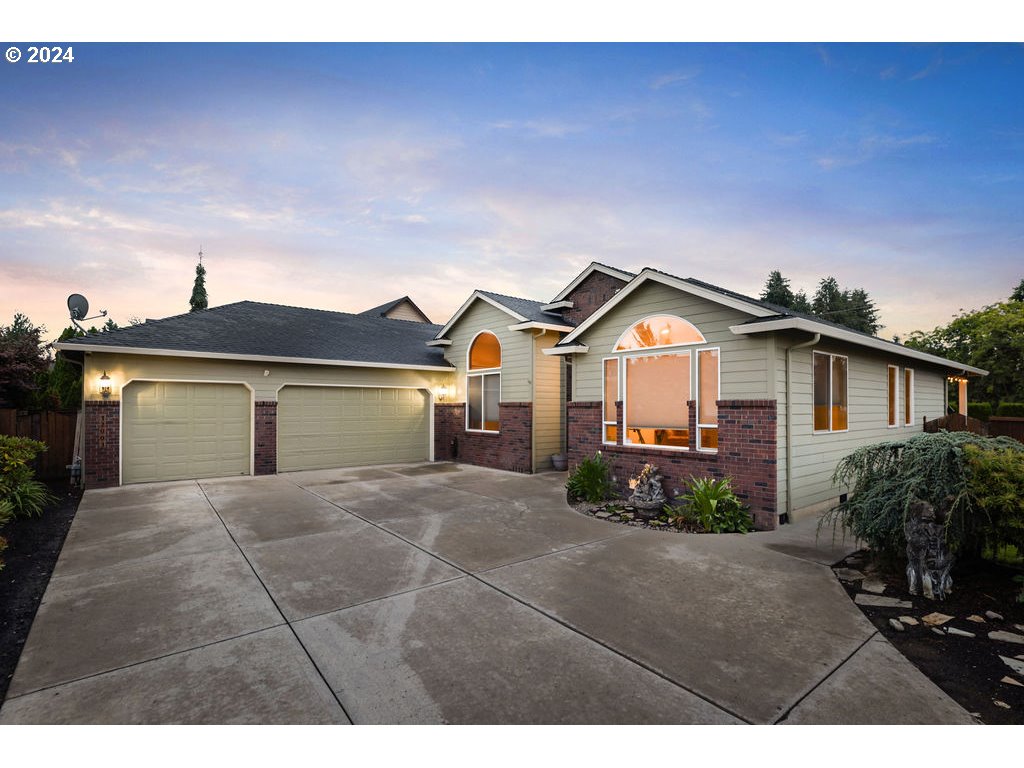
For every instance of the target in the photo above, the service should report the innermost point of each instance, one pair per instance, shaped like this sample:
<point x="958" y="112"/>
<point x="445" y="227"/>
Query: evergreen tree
<point x="1018" y="293"/>
<point x="110" y="325"/>
<point x="62" y="387"/>
<point x="199" y="300"/>
<point x="800" y="302"/>
<point x="829" y="301"/>
<point x="777" y="290"/>
<point x="861" y="313"/>
<point x="23" y="358"/>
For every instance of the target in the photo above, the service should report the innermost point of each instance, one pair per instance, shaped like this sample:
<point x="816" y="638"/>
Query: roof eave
<point x="468" y="303"/>
<point x="571" y="349"/>
<point x="531" y="324"/>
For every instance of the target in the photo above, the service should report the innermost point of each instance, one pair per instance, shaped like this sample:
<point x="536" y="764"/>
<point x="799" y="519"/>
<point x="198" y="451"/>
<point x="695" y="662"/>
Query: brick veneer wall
<point x="102" y="443"/>
<point x="746" y="453"/>
<point x="590" y="295"/>
<point x="511" y="448"/>
<point x="265" y="457"/>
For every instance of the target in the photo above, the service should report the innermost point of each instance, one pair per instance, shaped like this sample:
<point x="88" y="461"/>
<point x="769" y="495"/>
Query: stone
<point x="873" y="585"/>
<point x="976" y="619"/>
<point x="936" y="619"/>
<point x="848" y="575"/>
<point x="999" y="703"/>
<point x="1012" y="681"/>
<point x="993" y="616"/>
<point x="657" y="523"/>
<point x="938" y="632"/>
<point x="897" y="625"/>
<point x="1014" y="664"/>
<point x="627" y="515"/>
<point x="910" y="621"/>
<point x="959" y="632"/>
<point x="603" y="515"/>
<point x="929" y="560"/>
<point x="1007" y="637"/>
<point x="878" y="601"/>
<point x="1019" y="627"/>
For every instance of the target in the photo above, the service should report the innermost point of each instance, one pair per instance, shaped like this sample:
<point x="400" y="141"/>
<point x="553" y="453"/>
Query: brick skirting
<point x="265" y="458"/>
<point x="511" y="448"/>
<point x="746" y="453"/>
<point x="101" y="443"/>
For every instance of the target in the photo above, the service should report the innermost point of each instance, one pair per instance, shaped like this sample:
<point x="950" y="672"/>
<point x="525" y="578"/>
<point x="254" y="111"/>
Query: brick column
<point x="265" y="458"/>
<point x="102" y="443"/>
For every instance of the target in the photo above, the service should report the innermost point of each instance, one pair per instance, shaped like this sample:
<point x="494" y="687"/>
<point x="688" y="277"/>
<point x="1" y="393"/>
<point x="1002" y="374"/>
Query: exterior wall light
<point x="443" y="393"/>
<point x="105" y="388"/>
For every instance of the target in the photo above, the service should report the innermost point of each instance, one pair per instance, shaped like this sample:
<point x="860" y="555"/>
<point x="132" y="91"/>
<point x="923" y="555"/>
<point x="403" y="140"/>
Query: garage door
<point x="179" y="431"/>
<point x="325" y="427"/>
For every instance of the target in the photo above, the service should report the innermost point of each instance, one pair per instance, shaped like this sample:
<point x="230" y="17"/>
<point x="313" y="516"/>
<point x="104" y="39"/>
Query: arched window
<point x="659" y="331"/>
<point x="483" y="383"/>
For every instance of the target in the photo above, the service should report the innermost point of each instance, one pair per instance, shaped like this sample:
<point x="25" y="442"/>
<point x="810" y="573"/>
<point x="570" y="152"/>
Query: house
<point x="645" y="367"/>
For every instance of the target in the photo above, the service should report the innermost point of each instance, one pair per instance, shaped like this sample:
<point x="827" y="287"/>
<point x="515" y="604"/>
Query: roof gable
<point x="594" y="266"/>
<point x="399" y="309"/>
<point x="525" y="312"/>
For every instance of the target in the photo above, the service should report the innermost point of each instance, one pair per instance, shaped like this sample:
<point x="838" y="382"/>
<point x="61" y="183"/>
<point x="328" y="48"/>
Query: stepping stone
<point x="976" y="619"/>
<point x="878" y="601"/>
<point x="936" y="619"/>
<point x="1012" y="681"/>
<point x="938" y="632"/>
<point x="1007" y="637"/>
<point x="910" y="621"/>
<point x="959" y="632"/>
<point x="603" y="515"/>
<point x="897" y="625"/>
<point x="993" y="616"/>
<point x="999" y="703"/>
<point x="1016" y="666"/>
<point x="848" y="575"/>
<point x="1019" y="627"/>
<point x="873" y="585"/>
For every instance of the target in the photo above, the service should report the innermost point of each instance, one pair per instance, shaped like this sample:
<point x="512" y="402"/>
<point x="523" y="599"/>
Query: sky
<point x="342" y="176"/>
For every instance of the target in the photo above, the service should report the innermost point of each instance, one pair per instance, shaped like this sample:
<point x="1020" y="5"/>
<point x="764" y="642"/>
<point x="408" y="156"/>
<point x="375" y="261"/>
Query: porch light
<point x="443" y="392"/>
<point x="105" y="388"/>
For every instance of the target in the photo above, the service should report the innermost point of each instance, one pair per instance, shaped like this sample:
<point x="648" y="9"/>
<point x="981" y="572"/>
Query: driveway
<point x="441" y="593"/>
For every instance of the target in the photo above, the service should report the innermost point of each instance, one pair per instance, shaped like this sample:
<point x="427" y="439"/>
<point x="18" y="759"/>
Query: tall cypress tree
<point x="199" y="300"/>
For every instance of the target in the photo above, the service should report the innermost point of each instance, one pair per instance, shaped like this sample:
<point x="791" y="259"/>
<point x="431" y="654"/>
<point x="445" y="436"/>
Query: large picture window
<point x="707" y="396"/>
<point x="831" y="412"/>
<point x="483" y="383"/>
<point x="657" y="391"/>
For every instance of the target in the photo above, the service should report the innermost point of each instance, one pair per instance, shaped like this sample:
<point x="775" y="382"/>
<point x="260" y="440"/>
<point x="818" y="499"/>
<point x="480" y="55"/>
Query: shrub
<point x="6" y="512"/>
<point x="886" y="478"/>
<point x="591" y="480"/>
<point x="18" y="485"/>
<point x="996" y="490"/>
<point x="1010" y="409"/>
<point x="981" y="411"/>
<point x="715" y="506"/>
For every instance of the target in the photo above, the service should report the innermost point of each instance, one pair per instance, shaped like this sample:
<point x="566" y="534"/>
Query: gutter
<point x="789" y="418"/>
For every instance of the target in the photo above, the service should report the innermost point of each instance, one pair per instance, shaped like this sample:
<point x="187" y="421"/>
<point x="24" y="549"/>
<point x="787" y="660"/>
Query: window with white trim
<point x="708" y="394"/>
<point x="908" y="396"/>
<point x="483" y="383"/>
<point x="610" y="394"/>
<point x="894" y="395"/>
<point x="831" y="409"/>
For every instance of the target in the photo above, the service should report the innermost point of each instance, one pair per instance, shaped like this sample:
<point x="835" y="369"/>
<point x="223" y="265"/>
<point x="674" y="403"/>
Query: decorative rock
<point x="1019" y="627"/>
<point x="897" y="625"/>
<point x="658" y="523"/>
<point x="1016" y="666"/>
<point x="627" y="515"/>
<point x="1007" y="637"/>
<point x="999" y="703"/>
<point x="936" y="619"/>
<point x="603" y="515"/>
<point x="878" y="601"/>
<point x="848" y="575"/>
<point x="910" y="621"/>
<point x="993" y="616"/>
<point x="1012" y="681"/>
<point x="938" y="631"/>
<point x="873" y="585"/>
<point x="959" y="632"/>
<point x="976" y="619"/>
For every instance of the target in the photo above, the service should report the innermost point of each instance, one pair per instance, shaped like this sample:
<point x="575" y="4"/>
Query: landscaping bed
<point x="968" y="668"/>
<point x="33" y="544"/>
<point x="624" y="514"/>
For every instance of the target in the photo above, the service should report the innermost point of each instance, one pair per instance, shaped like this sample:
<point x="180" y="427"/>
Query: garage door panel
<point x="180" y="431"/>
<point x="325" y="427"/>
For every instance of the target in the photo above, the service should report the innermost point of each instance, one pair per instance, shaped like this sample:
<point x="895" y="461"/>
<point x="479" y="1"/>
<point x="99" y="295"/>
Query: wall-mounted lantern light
<point x="105" y="388"/>
<point x="443" y="393"/>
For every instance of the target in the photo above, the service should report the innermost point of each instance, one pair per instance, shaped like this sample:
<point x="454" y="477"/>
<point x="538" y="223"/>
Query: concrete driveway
<point x="441" y="593"/>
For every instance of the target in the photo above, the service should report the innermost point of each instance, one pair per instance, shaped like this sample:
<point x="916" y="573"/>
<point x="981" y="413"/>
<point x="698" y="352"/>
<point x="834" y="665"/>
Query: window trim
<point x="604" y="397"/>
<point x="696" y="397"/>
<point x="625" y="392"/>
<point x="830" y="431"/>
<point x="616" y="350"/>
<point x="908" y="397"/>
<point x="483" y="372"/>
<point x="892" y="411"/>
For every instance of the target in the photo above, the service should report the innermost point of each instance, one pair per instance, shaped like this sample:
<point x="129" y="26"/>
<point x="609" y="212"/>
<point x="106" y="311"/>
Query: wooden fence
<point x="55" y="428"/>
<point x="1009" y="426"/>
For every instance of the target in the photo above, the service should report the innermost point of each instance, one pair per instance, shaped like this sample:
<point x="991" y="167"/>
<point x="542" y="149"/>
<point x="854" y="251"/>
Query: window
<point x="610" y="394"/>
<point x="908" y="396"/>
<point x="894" y="374"/>
<point x="659" y="331"/>
<point x="483" y="383"/>
<point x="707" y="395"/>
<point x="830" y="402"/>
<point x="657" y="388"/>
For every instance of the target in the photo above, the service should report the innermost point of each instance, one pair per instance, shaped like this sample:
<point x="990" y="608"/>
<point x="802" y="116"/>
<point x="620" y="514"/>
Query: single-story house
<point x="644" y="367"/>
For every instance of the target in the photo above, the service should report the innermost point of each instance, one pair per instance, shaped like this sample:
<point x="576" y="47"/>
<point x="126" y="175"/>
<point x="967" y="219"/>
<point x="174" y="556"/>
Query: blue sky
<point x="341" y="176"/>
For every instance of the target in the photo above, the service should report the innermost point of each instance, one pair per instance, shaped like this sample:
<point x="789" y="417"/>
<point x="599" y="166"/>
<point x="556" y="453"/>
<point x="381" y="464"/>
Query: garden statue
<point x="929" y="560"/>
<point x="646" y="487"/>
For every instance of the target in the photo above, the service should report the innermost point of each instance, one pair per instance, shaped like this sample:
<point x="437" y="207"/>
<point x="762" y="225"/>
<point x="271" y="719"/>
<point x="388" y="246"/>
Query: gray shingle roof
<point x="250" y="328"/>
<point x="383" y="309"/>
<point x="528" y="308"/>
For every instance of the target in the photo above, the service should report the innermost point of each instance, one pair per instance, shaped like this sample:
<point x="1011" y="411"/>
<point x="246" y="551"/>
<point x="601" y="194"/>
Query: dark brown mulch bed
<point x="33" y="544"/>
<point x="968" y="669"/>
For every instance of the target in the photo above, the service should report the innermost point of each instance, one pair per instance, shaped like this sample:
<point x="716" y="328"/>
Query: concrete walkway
<point x="442" y="593"/>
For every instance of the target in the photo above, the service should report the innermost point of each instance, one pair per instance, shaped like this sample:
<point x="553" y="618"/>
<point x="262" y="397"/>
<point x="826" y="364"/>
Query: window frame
<point x="631" y="326"/>
<point x="696" y="398"/>
<point x="604" y="398"/>
<point x="892" y="396"/>
<point x="846" y="393"/>
<point x="908" y="397"/>
<point x="624" y="379"/>
<point x="482" y="373"/>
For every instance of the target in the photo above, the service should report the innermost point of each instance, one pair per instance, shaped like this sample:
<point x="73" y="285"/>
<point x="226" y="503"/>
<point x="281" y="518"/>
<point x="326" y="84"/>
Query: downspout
<point x="789" y="418"/>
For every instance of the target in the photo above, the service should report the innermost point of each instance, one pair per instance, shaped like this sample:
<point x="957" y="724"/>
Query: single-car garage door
<point x="326" y="427"/>
<point x="182" y="431"/>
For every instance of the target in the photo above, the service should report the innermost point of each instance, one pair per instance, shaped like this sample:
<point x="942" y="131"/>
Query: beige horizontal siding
<point x="548" y="400"/>
<point x="516" y="351"/>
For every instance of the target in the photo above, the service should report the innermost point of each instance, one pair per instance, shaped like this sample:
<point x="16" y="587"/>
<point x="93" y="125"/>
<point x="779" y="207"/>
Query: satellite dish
<point x="78" y="306"/>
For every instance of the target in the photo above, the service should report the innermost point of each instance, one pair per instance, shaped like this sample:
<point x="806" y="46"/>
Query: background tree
<point x="850" y="307"/>
<point x="61" y="386"/>
<point x="23" y="358"/>
<point x="777" y="290"/>
<point x="199" y="300"/>
<point x="1018" y="292"/>
<point x="110" y="325"/>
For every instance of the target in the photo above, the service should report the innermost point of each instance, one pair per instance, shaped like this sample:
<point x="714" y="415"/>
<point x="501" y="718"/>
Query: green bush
<point x="592" y="480"/>
<point x="996" y="491"/>
<point x="715" y="506"/>
<point x="1010" y="409"/>
<point x="6" y="512"/>
<point x="18" y="485"/>
<point x="886" y="478"/>
<point x="980" y="411"/>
